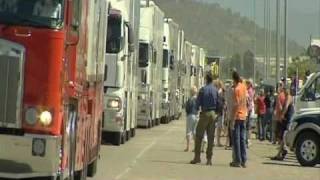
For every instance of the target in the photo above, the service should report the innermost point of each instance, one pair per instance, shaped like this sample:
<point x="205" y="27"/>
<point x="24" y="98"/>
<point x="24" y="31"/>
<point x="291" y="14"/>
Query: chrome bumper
<point x="18" y="160"/>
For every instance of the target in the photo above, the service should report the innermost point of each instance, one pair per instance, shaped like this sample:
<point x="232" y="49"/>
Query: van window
<point x="312" y="93"/>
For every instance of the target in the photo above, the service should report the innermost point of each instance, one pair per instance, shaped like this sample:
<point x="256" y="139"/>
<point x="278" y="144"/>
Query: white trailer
<point x="118" y="123"/>
<point x="150" y="63"/>
<point x="166" y="66"/>
<point x="173" y="42"/>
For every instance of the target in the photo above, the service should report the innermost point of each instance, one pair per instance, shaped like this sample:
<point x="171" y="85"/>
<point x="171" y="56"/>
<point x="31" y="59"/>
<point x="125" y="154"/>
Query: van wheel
<point x="308" y="149"/>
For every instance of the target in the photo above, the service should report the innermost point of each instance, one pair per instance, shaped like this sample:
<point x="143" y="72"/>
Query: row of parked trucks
<point x="83" y="72"/>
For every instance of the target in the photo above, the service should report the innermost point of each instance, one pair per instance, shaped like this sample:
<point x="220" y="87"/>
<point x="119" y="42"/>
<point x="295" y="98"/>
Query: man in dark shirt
<point x="207" y="102"/>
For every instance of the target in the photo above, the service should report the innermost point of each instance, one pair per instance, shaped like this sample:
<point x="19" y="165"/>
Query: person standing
<point x="280" y="103"/>
<point x="269" y="100"/>
<point x="207" y="101"/>
<point x="240" y="115"/>
<point x="250" y="106"/>
<point x="229" y="115"/>
<point x="220" y="110"/>
<point x="192" y="113"/>
<point x="261" y="111"/>
<point x="285" y="115"/>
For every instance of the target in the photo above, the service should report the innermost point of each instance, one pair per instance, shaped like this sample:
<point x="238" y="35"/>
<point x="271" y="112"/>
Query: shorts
<point x="281" y="128"/>
<point x="220" y="121"/>
<point x="192" y="120"/>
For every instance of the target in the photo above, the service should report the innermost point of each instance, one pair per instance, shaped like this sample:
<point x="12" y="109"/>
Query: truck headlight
<point x="45" y="118"/>
<point x="31" y="116"/>
<point x="114" y="103"/>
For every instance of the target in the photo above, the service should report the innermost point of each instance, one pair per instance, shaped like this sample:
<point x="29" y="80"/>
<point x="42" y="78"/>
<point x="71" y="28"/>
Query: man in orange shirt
<point x="239" y="115"/>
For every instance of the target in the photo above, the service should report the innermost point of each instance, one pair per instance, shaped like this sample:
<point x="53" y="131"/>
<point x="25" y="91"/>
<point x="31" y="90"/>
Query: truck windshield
<point x="143" y="54"/>
<point x="39" y="13"/>
<point x="114" y="34"/>
<point x="165" y="63"/>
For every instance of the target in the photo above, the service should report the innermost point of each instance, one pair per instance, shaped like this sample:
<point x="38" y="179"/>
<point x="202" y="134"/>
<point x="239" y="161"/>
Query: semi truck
<point x="173" y="41"/>
<point x="188" y="70"/>
<point x="150" y="63"/>
<point x="51" y="93"/>
<point x="195" y="65"/>
<point x="202" y="60"/>
<point x="119" y="85"/>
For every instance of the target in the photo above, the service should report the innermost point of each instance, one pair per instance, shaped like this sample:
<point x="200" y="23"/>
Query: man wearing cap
<point x="206" y="101"/>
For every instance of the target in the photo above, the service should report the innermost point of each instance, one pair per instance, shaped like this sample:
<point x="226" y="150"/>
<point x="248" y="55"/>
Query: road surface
<point x="157" y="154"/>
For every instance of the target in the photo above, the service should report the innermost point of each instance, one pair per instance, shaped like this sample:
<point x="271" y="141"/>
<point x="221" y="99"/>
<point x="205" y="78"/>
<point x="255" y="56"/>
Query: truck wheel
<point x="308" y="149"/>
<point x="133" y="132"/>
<point x="117" y="139"/>
<point x="123" y="137"/>
<point x="92" y="168"/>
<point x="128" y="135"/>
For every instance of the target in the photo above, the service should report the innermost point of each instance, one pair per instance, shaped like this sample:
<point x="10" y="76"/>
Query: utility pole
<point x="269" y="39"/>
<point x="285" y="40"/>
<point x="254" y="40"/>
<point x="265" y="39"/>
<point x="278" y="42"/>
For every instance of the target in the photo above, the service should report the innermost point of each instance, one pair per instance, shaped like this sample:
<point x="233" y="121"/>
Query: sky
<point x="303" y="16"/>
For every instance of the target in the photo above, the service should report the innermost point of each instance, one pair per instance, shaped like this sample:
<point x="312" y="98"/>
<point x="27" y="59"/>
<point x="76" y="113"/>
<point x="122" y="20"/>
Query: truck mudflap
<point x="29" y="156"/>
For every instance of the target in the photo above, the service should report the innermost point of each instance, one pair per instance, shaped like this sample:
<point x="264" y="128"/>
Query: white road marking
<point x="147" y="148"/>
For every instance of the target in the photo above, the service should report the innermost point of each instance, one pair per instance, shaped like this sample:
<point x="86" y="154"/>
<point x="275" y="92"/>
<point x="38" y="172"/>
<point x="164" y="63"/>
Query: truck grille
<point x="11" y="79"/>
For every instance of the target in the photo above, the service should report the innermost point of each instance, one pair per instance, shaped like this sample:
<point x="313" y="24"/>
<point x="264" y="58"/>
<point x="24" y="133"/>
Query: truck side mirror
<point x="131" y="47"/>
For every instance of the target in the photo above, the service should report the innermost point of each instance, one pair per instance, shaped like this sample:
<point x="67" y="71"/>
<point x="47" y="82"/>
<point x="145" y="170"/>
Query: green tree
<point x="301" y="66"/>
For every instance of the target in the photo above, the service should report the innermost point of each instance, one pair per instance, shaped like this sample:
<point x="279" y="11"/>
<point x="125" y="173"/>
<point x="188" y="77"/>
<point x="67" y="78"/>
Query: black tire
<point x="308" y="139"/>
<point x="92" y="168"/>
<point x="123" y="137"/>
<point x="117" y="138"/>
<point x="79" y="175"/>
<point x="133" y="132"/>
<point x="128" y="135"/>
<point x="149" y="124"/>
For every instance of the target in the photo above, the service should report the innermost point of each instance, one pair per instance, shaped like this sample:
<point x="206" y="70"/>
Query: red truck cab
<point x="50" y="104"/>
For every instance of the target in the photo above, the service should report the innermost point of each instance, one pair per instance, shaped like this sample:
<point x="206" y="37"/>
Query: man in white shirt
<point x="47" y="8"/>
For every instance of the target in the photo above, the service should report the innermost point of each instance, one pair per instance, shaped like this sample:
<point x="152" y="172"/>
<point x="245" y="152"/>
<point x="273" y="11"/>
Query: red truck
<point x="51" y="87"/>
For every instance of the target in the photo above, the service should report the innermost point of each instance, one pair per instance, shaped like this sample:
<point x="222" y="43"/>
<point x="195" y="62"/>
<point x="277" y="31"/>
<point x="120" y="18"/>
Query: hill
<point x="219" y="30"/>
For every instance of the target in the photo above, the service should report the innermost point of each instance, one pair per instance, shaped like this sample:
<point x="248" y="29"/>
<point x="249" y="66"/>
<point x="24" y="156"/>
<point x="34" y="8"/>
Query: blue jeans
<point x="262" y="127"/>
<point x="239" y="143"/>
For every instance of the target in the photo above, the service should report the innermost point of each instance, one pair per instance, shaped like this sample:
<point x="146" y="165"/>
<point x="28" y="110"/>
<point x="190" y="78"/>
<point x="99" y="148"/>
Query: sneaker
<point x="277" y="158"/>
<point x="195" y="161"/>
<point x="234" y="164"/>
<point x="244" y="165"/>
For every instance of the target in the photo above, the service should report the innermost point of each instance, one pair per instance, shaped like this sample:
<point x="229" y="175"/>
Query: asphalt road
<point x="157" y="154"/>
